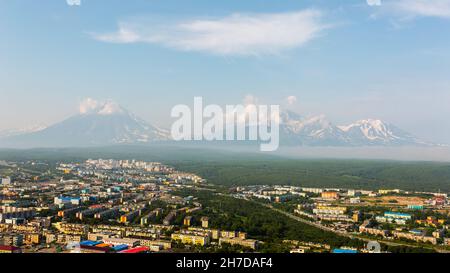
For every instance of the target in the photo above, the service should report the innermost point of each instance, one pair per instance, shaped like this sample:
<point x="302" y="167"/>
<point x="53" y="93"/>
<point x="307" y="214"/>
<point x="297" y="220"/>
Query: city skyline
<point x="349" y="61"/>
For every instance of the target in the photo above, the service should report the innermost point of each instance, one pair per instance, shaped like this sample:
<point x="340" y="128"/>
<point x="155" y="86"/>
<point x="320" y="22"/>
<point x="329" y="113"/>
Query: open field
<point x="395" y="200"/>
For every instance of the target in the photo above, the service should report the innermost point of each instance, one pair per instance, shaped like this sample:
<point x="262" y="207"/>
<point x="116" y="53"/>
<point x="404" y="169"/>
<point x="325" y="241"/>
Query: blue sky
<point x="346" y="59"/>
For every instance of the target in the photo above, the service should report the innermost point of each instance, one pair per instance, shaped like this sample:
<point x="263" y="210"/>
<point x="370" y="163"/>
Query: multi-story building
<point x="253" y="244"/>
<point x="414" y="237"/>
<point x="72" y="229"/>
<point x="330" y="213"/>
<point x="61" y="238"/>
<point x="330" y="195"/>
<point x="121" y="241"/>
<point x="187" y="221"/>
<point x="191" y="239"/>
<point x="14" y="212"/>
<point x="6" y="181"/>
<point x="146" y="219"/>
<point x="357" y="215"/>
<point x="366" y="227"/>
<point x="127" y="218"/>
<point x="165" y="245"/>
<point x="227" y="234"/>
<point x="89" y="212"/>
<point x="12" y="240"/>
<point x="107" y="214"/>
<point x="323" y="210"/>
<point x="384" y="191"/>
<point x="394" y="217"/>
<point x="313" y="190"/>
<point x="99" y="236"/>
<point x="69" y="212"/>
<point x="76" y="201"/>
<point x="205" y="222"/>
<point x="32" y="238"/>
<point x="168" y="219"/>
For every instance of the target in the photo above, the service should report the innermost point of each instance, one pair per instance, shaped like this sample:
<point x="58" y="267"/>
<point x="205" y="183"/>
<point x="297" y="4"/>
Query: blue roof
<point x="69" y="198"/>
<point x="90" y="243"/>
<point x="120" y="247"/>
<point x="397" y="213"/>
<point x="344" y="251"/>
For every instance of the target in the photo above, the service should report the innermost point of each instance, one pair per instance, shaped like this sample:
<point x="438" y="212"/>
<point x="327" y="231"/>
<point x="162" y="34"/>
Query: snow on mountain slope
<point x="319" y="131"/>
<point x="374" y="131"/>
<point x="108" y="123"/>
<point x="104" y="124"/>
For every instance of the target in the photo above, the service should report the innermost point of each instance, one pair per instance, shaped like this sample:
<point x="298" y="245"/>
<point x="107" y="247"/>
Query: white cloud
<point x="88" y="105"/>
<point x="250" y="100"/>
<point x="237" y="34"/>
<point x="106" y="107"/>
<point x="406" y="10"/>
<point x="73" y="2"/>
<point x="425" y="8"/>
<point x="291" y="100"/>
<point x="250" y="105"/>
<point x="374" y="2"/>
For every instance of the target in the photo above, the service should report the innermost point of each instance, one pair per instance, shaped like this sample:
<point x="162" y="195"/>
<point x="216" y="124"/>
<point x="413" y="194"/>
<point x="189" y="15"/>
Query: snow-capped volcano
<point x="98" y="124"/>
<point x="108" y="123"/>
<point x="376" y="131"/>
<point x="319" y="131"/>
<point x="316" y="130"/>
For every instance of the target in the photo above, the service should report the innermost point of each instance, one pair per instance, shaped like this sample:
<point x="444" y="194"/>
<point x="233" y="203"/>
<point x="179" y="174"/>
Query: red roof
<point x="9" y="248"/>
<point x="136" y="250"/>
<point x="95" y="248"/>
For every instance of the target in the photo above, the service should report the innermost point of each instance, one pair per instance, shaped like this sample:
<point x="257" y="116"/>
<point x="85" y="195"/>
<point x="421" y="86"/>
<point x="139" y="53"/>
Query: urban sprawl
<point x="130" y="206"/>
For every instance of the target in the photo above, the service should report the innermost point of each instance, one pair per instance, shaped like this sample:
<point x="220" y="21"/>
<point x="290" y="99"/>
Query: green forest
<point x="263" y="224"/>
<point x="233" y="168"/>
<point x="355" y="174"/>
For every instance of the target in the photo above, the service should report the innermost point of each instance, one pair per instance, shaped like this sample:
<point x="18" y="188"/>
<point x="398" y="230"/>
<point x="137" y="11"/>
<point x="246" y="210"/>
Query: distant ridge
<point x="108" y="123"/>
<point x="319" y="131"/>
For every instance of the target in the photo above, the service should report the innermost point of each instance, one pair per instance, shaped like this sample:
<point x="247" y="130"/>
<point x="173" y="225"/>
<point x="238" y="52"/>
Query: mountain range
<point x="319" y="131"/>
<point x="109" y="124"/>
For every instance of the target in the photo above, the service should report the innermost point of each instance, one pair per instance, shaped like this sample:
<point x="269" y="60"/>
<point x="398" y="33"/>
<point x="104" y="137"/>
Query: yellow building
<point x="228" y="234"/>
<point x="127" y="218"/>
<point x="191" y="239"/>
<point x="330" y="210"/>
<point x="32" y="239"/>
<point x="330" y="195"/>
<point x="242" y="235"/>
<point x="61" y="238"/>
<point x="72" y="229"/>
<point x="383" y="191"/>
<point x="205" y="222"/>
<point x="253" y="244"/>
<point x="150" y="243"/>
<point x="356" y="216"/>
<point x="187" y="221"/>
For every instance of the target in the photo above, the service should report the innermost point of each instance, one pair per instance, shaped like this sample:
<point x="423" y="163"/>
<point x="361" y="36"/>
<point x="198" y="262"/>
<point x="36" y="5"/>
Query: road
<point x="345" y="234"/>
